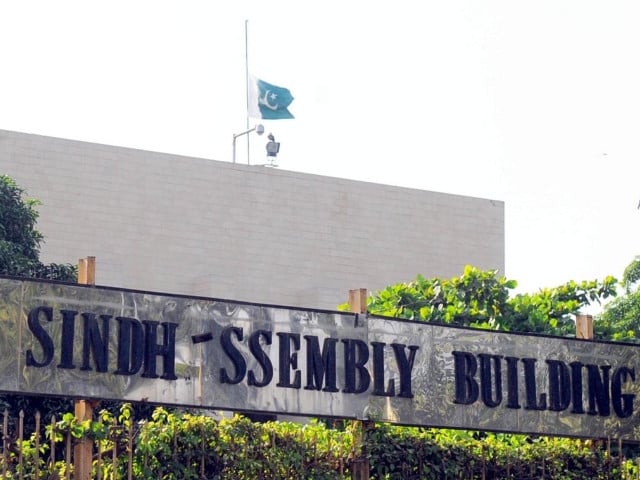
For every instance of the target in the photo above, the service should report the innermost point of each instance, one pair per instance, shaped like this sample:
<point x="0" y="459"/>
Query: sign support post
<point x="584" y="327"/>
<point x="584" y="330"/>
<point x="360" y="464"/>
<point x="83" y="449"/>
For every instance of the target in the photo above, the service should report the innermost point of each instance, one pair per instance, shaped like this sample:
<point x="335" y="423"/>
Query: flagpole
<point x="246" y="74"/>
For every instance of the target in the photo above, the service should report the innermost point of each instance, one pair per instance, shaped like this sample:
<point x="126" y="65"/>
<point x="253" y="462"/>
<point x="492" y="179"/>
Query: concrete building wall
<point x="193" y="226"/>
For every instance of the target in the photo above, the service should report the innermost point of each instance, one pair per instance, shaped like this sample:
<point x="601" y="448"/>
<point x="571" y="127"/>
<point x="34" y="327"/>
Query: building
<point x="201" y="227"/>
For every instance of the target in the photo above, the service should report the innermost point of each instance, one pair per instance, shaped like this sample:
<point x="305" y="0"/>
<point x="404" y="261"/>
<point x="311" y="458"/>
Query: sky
<point x="536" y="104"/>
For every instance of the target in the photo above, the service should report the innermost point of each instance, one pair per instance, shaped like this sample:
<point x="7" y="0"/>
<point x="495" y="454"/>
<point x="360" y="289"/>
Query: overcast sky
<point x="536" y="104"/>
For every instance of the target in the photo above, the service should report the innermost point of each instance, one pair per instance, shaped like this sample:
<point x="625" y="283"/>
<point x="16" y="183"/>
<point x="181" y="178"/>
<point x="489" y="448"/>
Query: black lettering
<point x="321" y="366"/>
<point x="465" y="367"/>
<point x="598" y="398"/>
<point x="66" y="342"/>
<point x="486" y="376"/>
<point x="166" y="350"/>
<point x="94" y="342"/>
<point x="513" y="400"/>
<point x="234" y="355"/>
<point x="130" y="346"/>
<point x="289" y="360"/>
<point x="43" y="338"/>
<point x="576" y="387"/>
<point x="622" y="402"/>
<point x="261" y="357"/>
<point x="356" y="355"/>
<point x="378" y="372"/>
<point x="405" y="366"/>
<point x="530" y="386"/>
<point x="559" y="385"/>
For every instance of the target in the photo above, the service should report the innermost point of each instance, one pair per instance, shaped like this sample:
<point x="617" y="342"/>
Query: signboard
<point x="97" y="342"/>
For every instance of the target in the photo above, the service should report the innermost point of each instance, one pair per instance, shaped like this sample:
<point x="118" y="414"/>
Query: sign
<point x="106" y="343"/>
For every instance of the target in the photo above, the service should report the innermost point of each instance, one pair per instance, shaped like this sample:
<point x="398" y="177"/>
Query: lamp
<point x="259" y="129"/>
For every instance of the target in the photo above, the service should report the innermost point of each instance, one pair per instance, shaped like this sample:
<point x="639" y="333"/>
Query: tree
<point x="620" y="319"/>
<point x="475" y="299"/>
<point x="552" y="310"/>
<point x="20" y="241"/>
<point x="631" y="274"/>
<point x="481" y="299"/>
<point x="19" y="256"/>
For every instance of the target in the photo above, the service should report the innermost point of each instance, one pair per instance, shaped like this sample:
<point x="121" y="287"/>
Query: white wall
<point x="192" y="226"/>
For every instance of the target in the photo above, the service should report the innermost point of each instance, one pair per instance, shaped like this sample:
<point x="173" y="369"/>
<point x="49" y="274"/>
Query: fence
<point x="25" y="456"/>
<point x="199" y="447"/>
<point x="124" y="449"/>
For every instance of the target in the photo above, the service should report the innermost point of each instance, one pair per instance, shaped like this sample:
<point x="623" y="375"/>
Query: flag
<point x="268" y="101"/>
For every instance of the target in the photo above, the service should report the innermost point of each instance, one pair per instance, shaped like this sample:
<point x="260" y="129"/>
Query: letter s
<point x="234" y="355"/>
<point x="46" y="343"/>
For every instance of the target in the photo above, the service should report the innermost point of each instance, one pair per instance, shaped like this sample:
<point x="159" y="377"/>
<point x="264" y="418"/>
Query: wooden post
<point x="87" y="271"/>
<point x="584" y="330"/>
<point x="83" y="449"/>
<point x="584" y="327"/>
<point x="358" y="300"/>
<point x="360" y="464"/>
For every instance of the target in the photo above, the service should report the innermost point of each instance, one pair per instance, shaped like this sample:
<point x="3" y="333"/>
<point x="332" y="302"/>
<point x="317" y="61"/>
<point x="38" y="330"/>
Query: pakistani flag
<point x="268" y="101"/>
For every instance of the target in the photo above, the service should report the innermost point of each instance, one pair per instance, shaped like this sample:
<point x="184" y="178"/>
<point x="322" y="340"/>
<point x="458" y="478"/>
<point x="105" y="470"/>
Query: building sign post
<point x="584" y="327"/>
<point x="360" y="464"/>
<point x="83" y="409"/>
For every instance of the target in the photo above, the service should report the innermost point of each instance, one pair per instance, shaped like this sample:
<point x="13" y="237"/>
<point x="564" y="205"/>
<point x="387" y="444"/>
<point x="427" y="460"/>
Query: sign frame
<point x="98" y="342"/>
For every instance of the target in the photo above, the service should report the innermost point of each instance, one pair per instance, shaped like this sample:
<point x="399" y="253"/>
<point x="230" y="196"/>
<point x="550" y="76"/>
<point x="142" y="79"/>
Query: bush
<point x="172" y="445"/>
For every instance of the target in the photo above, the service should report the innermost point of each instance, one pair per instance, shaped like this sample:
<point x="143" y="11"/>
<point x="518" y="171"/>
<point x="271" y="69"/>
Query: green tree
<point x="475" y="299"/>
<point x="481" y="299"/>
<point x="20" y="241"/>
<point x="19" y="256"/>
<point x="552" y="310"/>
<point x="620" y="319"/>
<point x="631" y="274"/>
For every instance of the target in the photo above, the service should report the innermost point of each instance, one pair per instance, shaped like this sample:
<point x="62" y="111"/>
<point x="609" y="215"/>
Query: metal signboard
<point x="106" y="343"/>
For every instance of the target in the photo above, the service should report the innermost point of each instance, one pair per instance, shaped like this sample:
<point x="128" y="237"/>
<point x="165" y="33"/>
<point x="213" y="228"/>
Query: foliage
<point x="620" y="320"/>
<point x="19" y="256"/>
<point x="550" y="310"/>
<point x="20" y="241"/>
<point x="48" y="406"/>
<point x="400" y="453"/>
<point x="475" y="299"/>
<point x="481" y="299"/>
<point x="171" y="446"/>
<point x="631" y="274"/>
